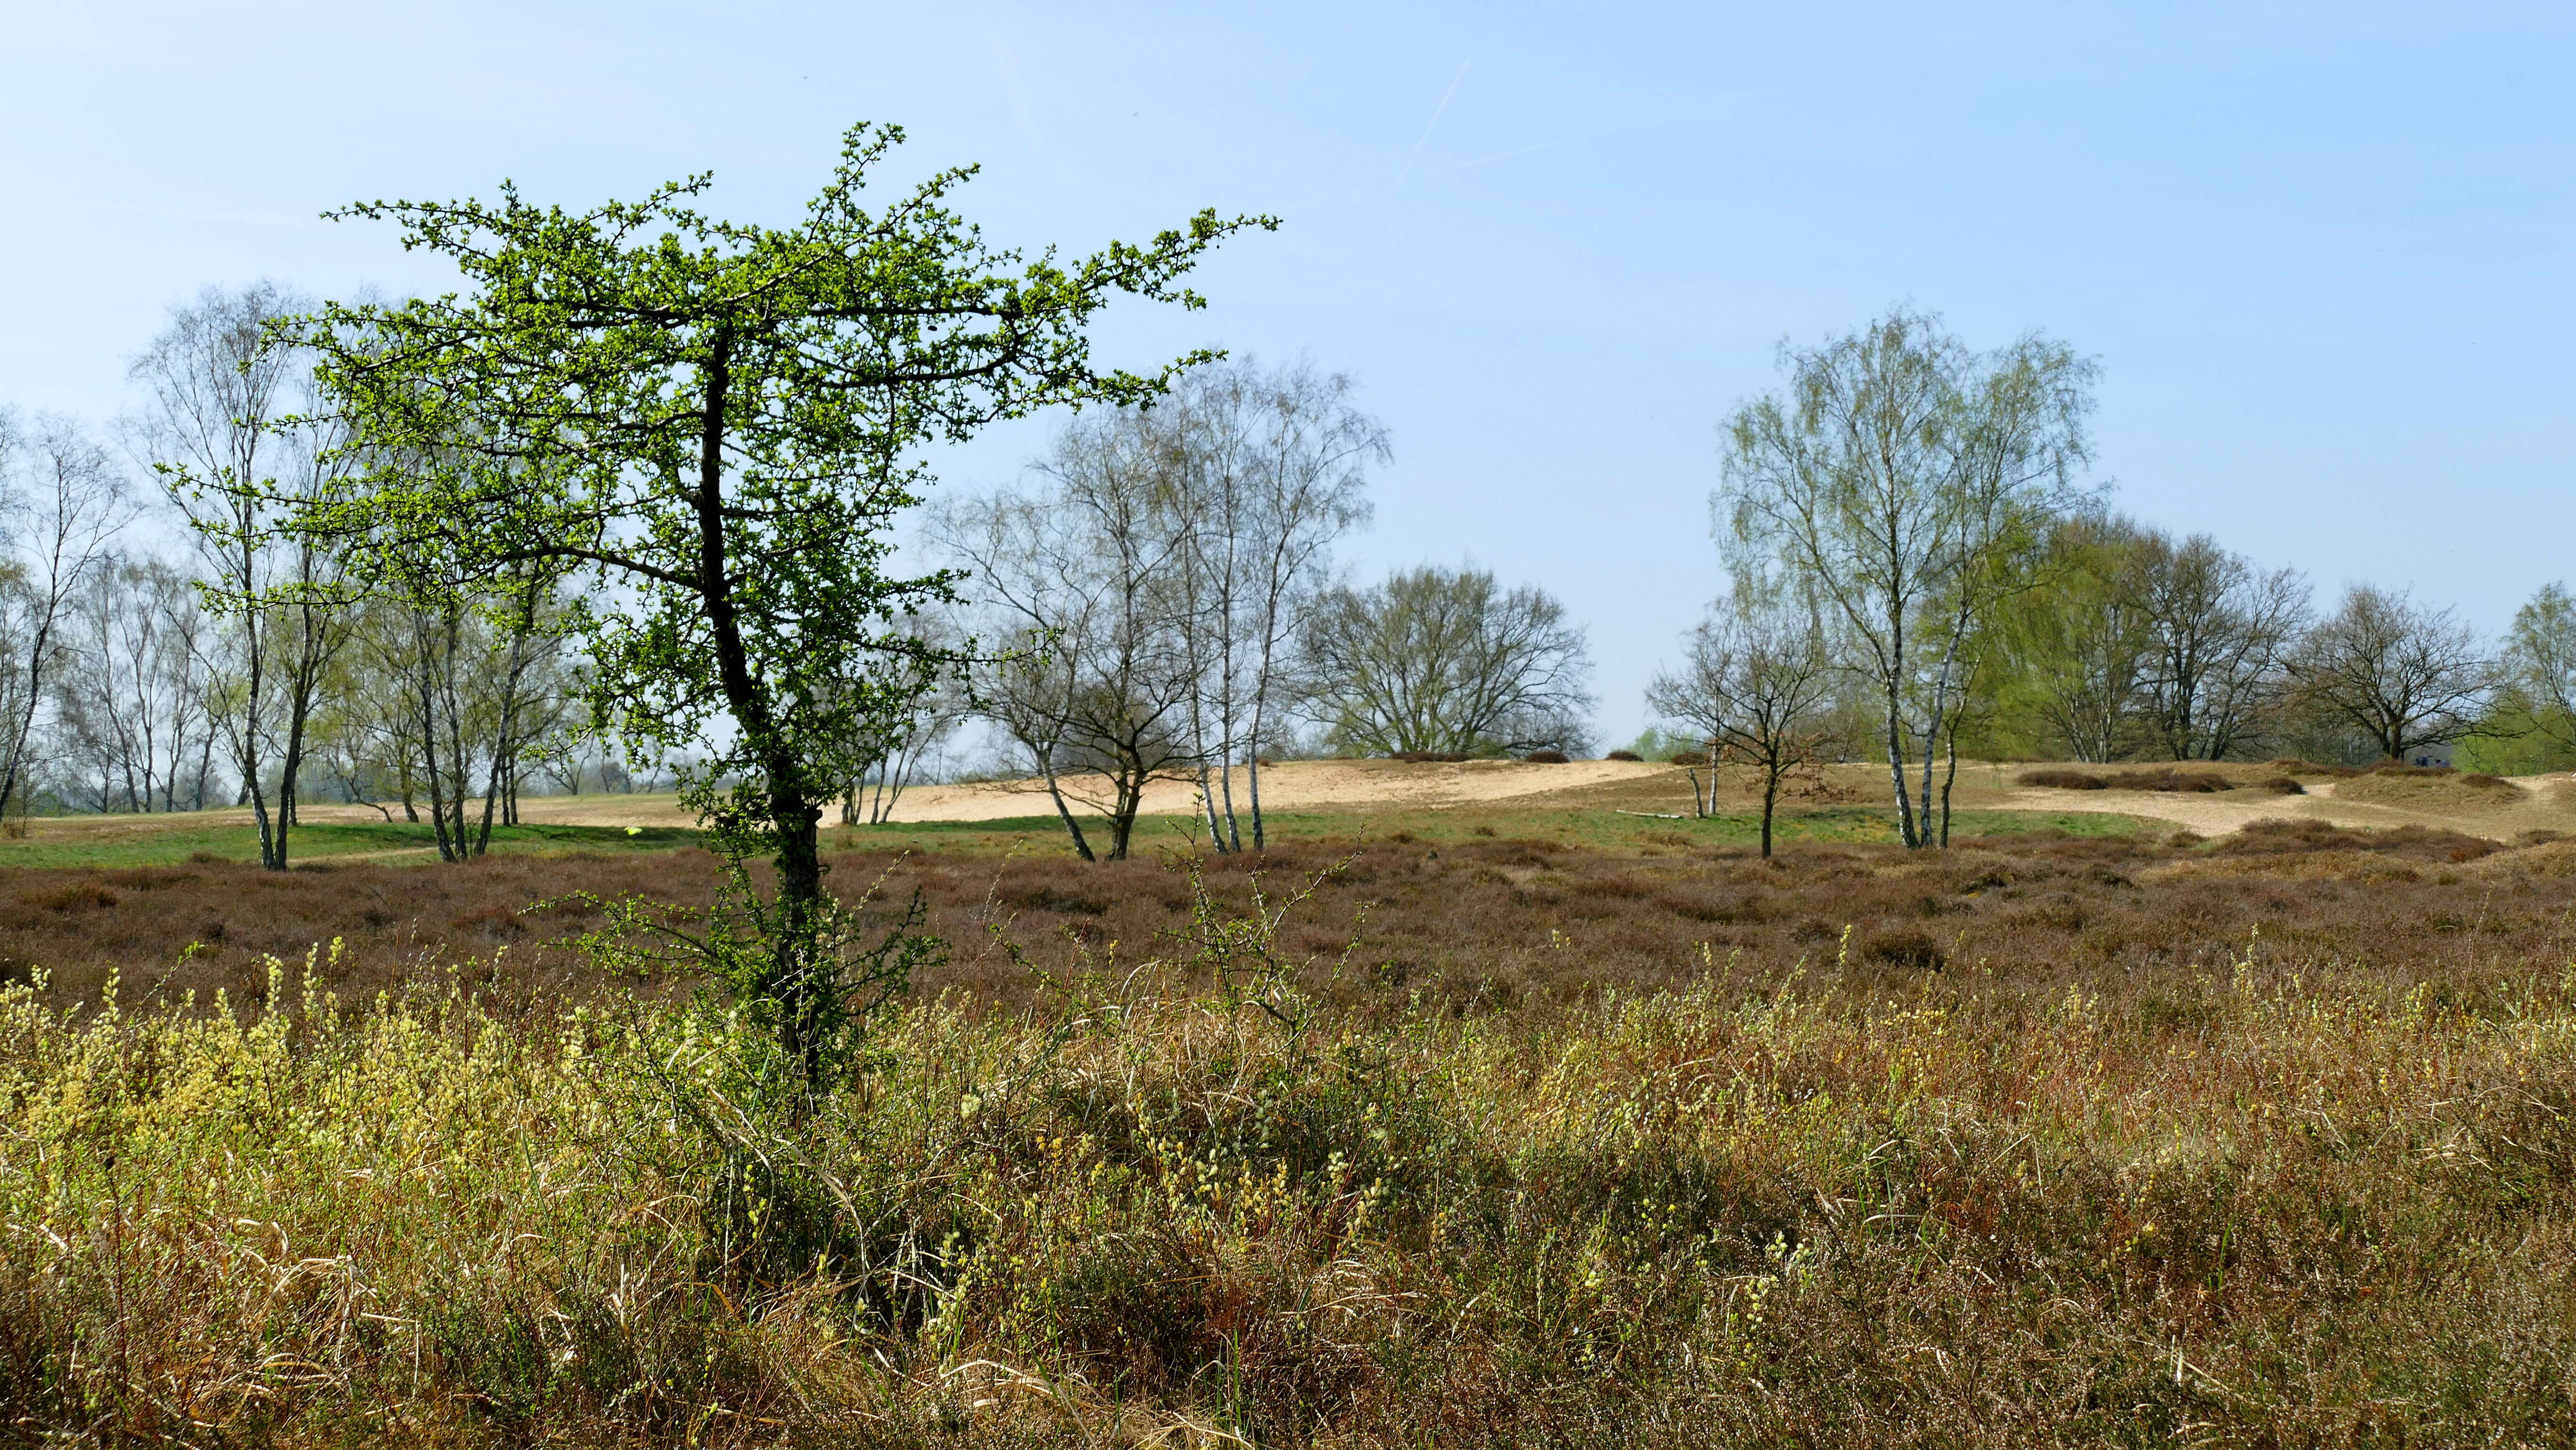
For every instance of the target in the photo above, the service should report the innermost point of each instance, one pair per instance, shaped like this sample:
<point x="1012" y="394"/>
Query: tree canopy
<point x="714" y="424"/>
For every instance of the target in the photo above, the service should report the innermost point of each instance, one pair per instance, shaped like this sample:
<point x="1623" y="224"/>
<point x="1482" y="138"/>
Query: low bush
<point x="1623" y="755"/>
<point x="1687" y="757"/>
<point x="2188" y="782"/>
<point x="2162" y="778"/>
<point x="1546" y="757"/>
<point x="2431" y="787"/>
<point x="2295" y="766"/>
<point x="1431" y="757"/>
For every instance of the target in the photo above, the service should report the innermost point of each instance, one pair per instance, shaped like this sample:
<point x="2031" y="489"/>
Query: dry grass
<point x="1470" y="922"/>
<point x="2160" y="778"/>
<point x="2034" y="1142"/>
<point x="2274" y="1203"/>
<point x="2419" y="789"/>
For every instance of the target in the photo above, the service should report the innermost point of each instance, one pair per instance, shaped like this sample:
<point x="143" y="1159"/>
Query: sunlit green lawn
<point x="162" y="841"/>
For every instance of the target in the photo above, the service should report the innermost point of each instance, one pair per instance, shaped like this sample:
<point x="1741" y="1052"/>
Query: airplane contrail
<point x="1434" y="121"/>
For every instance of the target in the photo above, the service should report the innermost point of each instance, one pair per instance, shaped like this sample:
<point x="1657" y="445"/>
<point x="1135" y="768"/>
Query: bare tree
<point x="913" y="703"/>
<point x="2402" y="674"/>
<point x="234" y="457"/>
<point x="1270" y="470"/>
<point x="1084" y="584"/>
<point x="433" y="698"/>
<point x="1450" y="662"/>
<point x="136" y="707"/>
<point x="1757" y="683"/>
<point x="64" y="502"/>
<point x="1903" y="481"/>
<point x="2221" y="628"/>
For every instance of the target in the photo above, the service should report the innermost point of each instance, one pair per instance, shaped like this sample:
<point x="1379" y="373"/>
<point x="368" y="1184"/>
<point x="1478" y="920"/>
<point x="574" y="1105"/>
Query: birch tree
<point x="1757" y="684"/>
<point x="1087" y="582"/>
<point x="1902" y="481"/>
<point x="1271" y="469"/>
<point x="234" y="430"/>
<point x="63" y="502"/>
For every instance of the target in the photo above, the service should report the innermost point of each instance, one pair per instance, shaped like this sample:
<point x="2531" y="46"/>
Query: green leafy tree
<point x="712" y="425"/>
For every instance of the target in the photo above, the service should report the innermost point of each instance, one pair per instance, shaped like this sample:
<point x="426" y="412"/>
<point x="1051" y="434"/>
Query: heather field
<point x="1495" y="1126"/>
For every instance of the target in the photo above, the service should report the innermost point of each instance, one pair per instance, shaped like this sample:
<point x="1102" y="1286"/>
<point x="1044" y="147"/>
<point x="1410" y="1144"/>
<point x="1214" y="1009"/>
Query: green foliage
<point x="848" y="961"/>
<point x="713" y="425"/>
<point x="720" y="418"/>
<point x="1656" y="743"/>
<point x="2518" y="737"/>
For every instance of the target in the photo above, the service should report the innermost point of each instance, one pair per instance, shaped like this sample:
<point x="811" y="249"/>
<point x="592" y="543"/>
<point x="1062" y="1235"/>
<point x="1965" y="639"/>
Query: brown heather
<point x="2029" y="1143"/>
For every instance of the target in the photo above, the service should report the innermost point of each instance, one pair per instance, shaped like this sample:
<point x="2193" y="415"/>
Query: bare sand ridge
<point x="2537" y="802"/>
<point x="2534" y="802"/>
<point x="1300" y="785"/>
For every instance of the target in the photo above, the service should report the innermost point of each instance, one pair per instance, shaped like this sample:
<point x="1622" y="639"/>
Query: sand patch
<point x="1294" y="785"/>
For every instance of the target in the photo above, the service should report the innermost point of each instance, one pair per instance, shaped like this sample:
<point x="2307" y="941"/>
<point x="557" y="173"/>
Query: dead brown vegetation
<point x="2430" y="788"/>
<point x="1477" y="924"/>
<point x="2161" y="778"/>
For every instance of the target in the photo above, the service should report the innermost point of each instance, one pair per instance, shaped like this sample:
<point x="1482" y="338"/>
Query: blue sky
<point x="2322" y="251"/>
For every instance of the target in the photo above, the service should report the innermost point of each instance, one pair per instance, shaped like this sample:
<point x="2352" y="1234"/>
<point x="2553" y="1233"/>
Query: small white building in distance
<point x="2429" y="755"/>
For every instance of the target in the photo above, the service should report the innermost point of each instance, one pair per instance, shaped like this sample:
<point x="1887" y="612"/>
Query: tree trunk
<point x="799" y="980"/>
<point x="1207" y="806"/>
<point x="1072" y="827"/>
<point x="1947" y="782"/>
<point x="1130" y="798"/>
<point x="1225" y="781"/>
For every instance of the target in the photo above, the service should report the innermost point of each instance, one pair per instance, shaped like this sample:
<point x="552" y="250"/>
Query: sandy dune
<point x="1298" y="785"/>
<point x="1374" y="785"/>
<point x="2220" y="813"/>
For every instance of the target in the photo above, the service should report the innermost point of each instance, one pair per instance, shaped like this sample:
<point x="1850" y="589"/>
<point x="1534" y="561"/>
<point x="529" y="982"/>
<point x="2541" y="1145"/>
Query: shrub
<point x="1910" y="950"/>
<point x="1687" y="757"/>
<point x="2163" y="778"/>
<point x="2295" y="766"/>
<point x="1623" y="755"/>
<point x="1431" y="757"/>
<point x="2188" y="782"/>
<point x="1545" y="757"/>
<point x="2283" y="785"/>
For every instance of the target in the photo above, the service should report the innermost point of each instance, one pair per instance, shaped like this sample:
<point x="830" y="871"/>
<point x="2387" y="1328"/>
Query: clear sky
<point x="2321" y="250"/>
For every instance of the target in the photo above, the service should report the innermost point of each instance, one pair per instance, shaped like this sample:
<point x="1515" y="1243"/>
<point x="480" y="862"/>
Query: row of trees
<point x="1917" y="572"/>
<point x="1160" y="601"/>
<point x="246" y="665"/>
